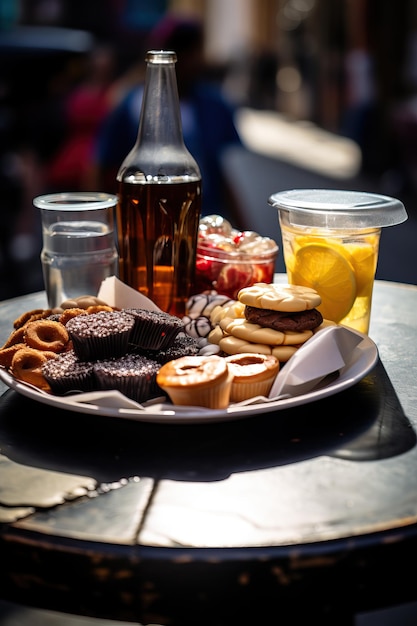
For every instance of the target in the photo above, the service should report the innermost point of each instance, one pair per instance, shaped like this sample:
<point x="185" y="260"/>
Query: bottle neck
<point x="160" y="118"/>
<point x="159" y="154"/>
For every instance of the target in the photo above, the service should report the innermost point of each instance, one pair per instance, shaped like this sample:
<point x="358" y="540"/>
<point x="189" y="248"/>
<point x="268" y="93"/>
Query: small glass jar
<point x="229" y="271"/>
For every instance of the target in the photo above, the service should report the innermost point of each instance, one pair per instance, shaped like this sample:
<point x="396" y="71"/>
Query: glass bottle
<point x="159" y="190"/>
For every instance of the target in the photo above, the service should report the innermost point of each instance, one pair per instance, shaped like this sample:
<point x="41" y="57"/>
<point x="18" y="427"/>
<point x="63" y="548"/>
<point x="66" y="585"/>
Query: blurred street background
<point x="324" y="94"/>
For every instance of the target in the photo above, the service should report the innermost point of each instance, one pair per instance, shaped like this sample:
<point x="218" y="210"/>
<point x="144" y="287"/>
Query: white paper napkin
<point x="116" y="293"/>
<point x="326" y="352"/>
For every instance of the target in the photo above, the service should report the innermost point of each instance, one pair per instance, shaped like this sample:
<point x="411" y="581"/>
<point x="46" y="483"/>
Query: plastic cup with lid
<point x="330" y="242"/>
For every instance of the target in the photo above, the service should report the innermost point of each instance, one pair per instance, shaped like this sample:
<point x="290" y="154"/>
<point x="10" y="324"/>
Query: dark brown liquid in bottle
<point x="157" y="225"/>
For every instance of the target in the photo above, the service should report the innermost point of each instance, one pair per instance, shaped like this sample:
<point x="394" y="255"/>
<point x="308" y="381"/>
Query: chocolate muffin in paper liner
<point x="67" y="373"/>
<point x="182" y="345"/>
<point x="100" y="335"/>
<point x="133" y="374"/>
<point x="153" y="329"/>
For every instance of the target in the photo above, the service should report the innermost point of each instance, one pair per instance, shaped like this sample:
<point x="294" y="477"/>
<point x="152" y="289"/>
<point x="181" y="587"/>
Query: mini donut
<point x="46" y="335"/>
<point x="96" y="308"/>
<point x="27" y="364"/>
<point x="68" y="314"/>
<point x="7" y="354"/>
<point x="17" y="336"/>
<point x="31" y="316"/>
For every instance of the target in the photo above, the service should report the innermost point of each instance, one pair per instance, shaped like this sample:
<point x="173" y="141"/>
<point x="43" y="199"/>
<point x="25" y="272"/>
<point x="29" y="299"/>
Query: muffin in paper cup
<point x="253" y="374"/>
<point x="196" y="381"/>
<point x="134" y="375"/>
<point x="66" y="373"/>
<point x="153" y="330"/>
<point x="100" y="335"/>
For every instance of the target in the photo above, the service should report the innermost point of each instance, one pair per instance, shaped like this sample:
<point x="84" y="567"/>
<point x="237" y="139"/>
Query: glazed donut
<point x="27" y="364"/>
<point x="46" y="335"/>
<point x="7" y="354"/>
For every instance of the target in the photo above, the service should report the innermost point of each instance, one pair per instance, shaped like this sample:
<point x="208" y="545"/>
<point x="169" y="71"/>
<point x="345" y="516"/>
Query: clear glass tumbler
<point x="79" y="245"/>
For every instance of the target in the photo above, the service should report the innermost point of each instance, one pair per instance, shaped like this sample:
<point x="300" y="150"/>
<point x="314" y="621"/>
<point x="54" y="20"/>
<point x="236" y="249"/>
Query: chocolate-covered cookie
<point x="283" y="321"/>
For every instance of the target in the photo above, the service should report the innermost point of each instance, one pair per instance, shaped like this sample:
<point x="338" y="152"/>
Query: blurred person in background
<point x="84" y="108"/>
<point x="12" y="194"/>
<point x="207" y="115"/>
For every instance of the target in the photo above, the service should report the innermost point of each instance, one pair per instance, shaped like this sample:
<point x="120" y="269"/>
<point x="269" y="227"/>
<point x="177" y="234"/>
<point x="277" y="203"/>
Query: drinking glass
<point x="79" y="246"/>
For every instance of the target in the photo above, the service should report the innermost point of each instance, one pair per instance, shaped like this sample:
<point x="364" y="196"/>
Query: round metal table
<point x="308" y="512"/>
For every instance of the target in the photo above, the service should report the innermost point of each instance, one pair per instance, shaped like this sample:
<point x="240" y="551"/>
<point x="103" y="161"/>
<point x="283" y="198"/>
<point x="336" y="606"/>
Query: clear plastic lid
<point x="332" y="208"/>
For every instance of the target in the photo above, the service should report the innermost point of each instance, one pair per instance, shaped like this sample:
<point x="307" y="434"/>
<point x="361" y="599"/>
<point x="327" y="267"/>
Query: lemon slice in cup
<point x="319" y="266"/>
<point x="363" y="259"/>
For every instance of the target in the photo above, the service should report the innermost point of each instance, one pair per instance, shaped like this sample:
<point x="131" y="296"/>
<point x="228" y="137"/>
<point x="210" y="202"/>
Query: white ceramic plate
<point x="361" y="360"/>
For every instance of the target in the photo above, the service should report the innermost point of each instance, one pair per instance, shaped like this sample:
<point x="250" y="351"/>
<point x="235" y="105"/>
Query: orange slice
<point x="328" y="272"/>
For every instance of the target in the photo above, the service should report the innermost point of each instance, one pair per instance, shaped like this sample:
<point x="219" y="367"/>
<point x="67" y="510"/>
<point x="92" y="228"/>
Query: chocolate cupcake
<point x="66" y="373"/>
<point x="182" y="345"/>
<point x="154" y="330"/>
<point x="133" y="374"/>
<point x="100" y="335"/>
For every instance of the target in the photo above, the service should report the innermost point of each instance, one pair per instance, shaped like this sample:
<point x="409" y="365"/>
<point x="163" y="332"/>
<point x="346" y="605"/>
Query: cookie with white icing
<point x="202" y="304"/>
<point x="196" y="326"/>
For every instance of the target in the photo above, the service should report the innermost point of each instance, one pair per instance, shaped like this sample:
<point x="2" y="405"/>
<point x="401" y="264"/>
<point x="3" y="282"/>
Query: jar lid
<point x="332" y="208"/>
<point x="75" y="201"/>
